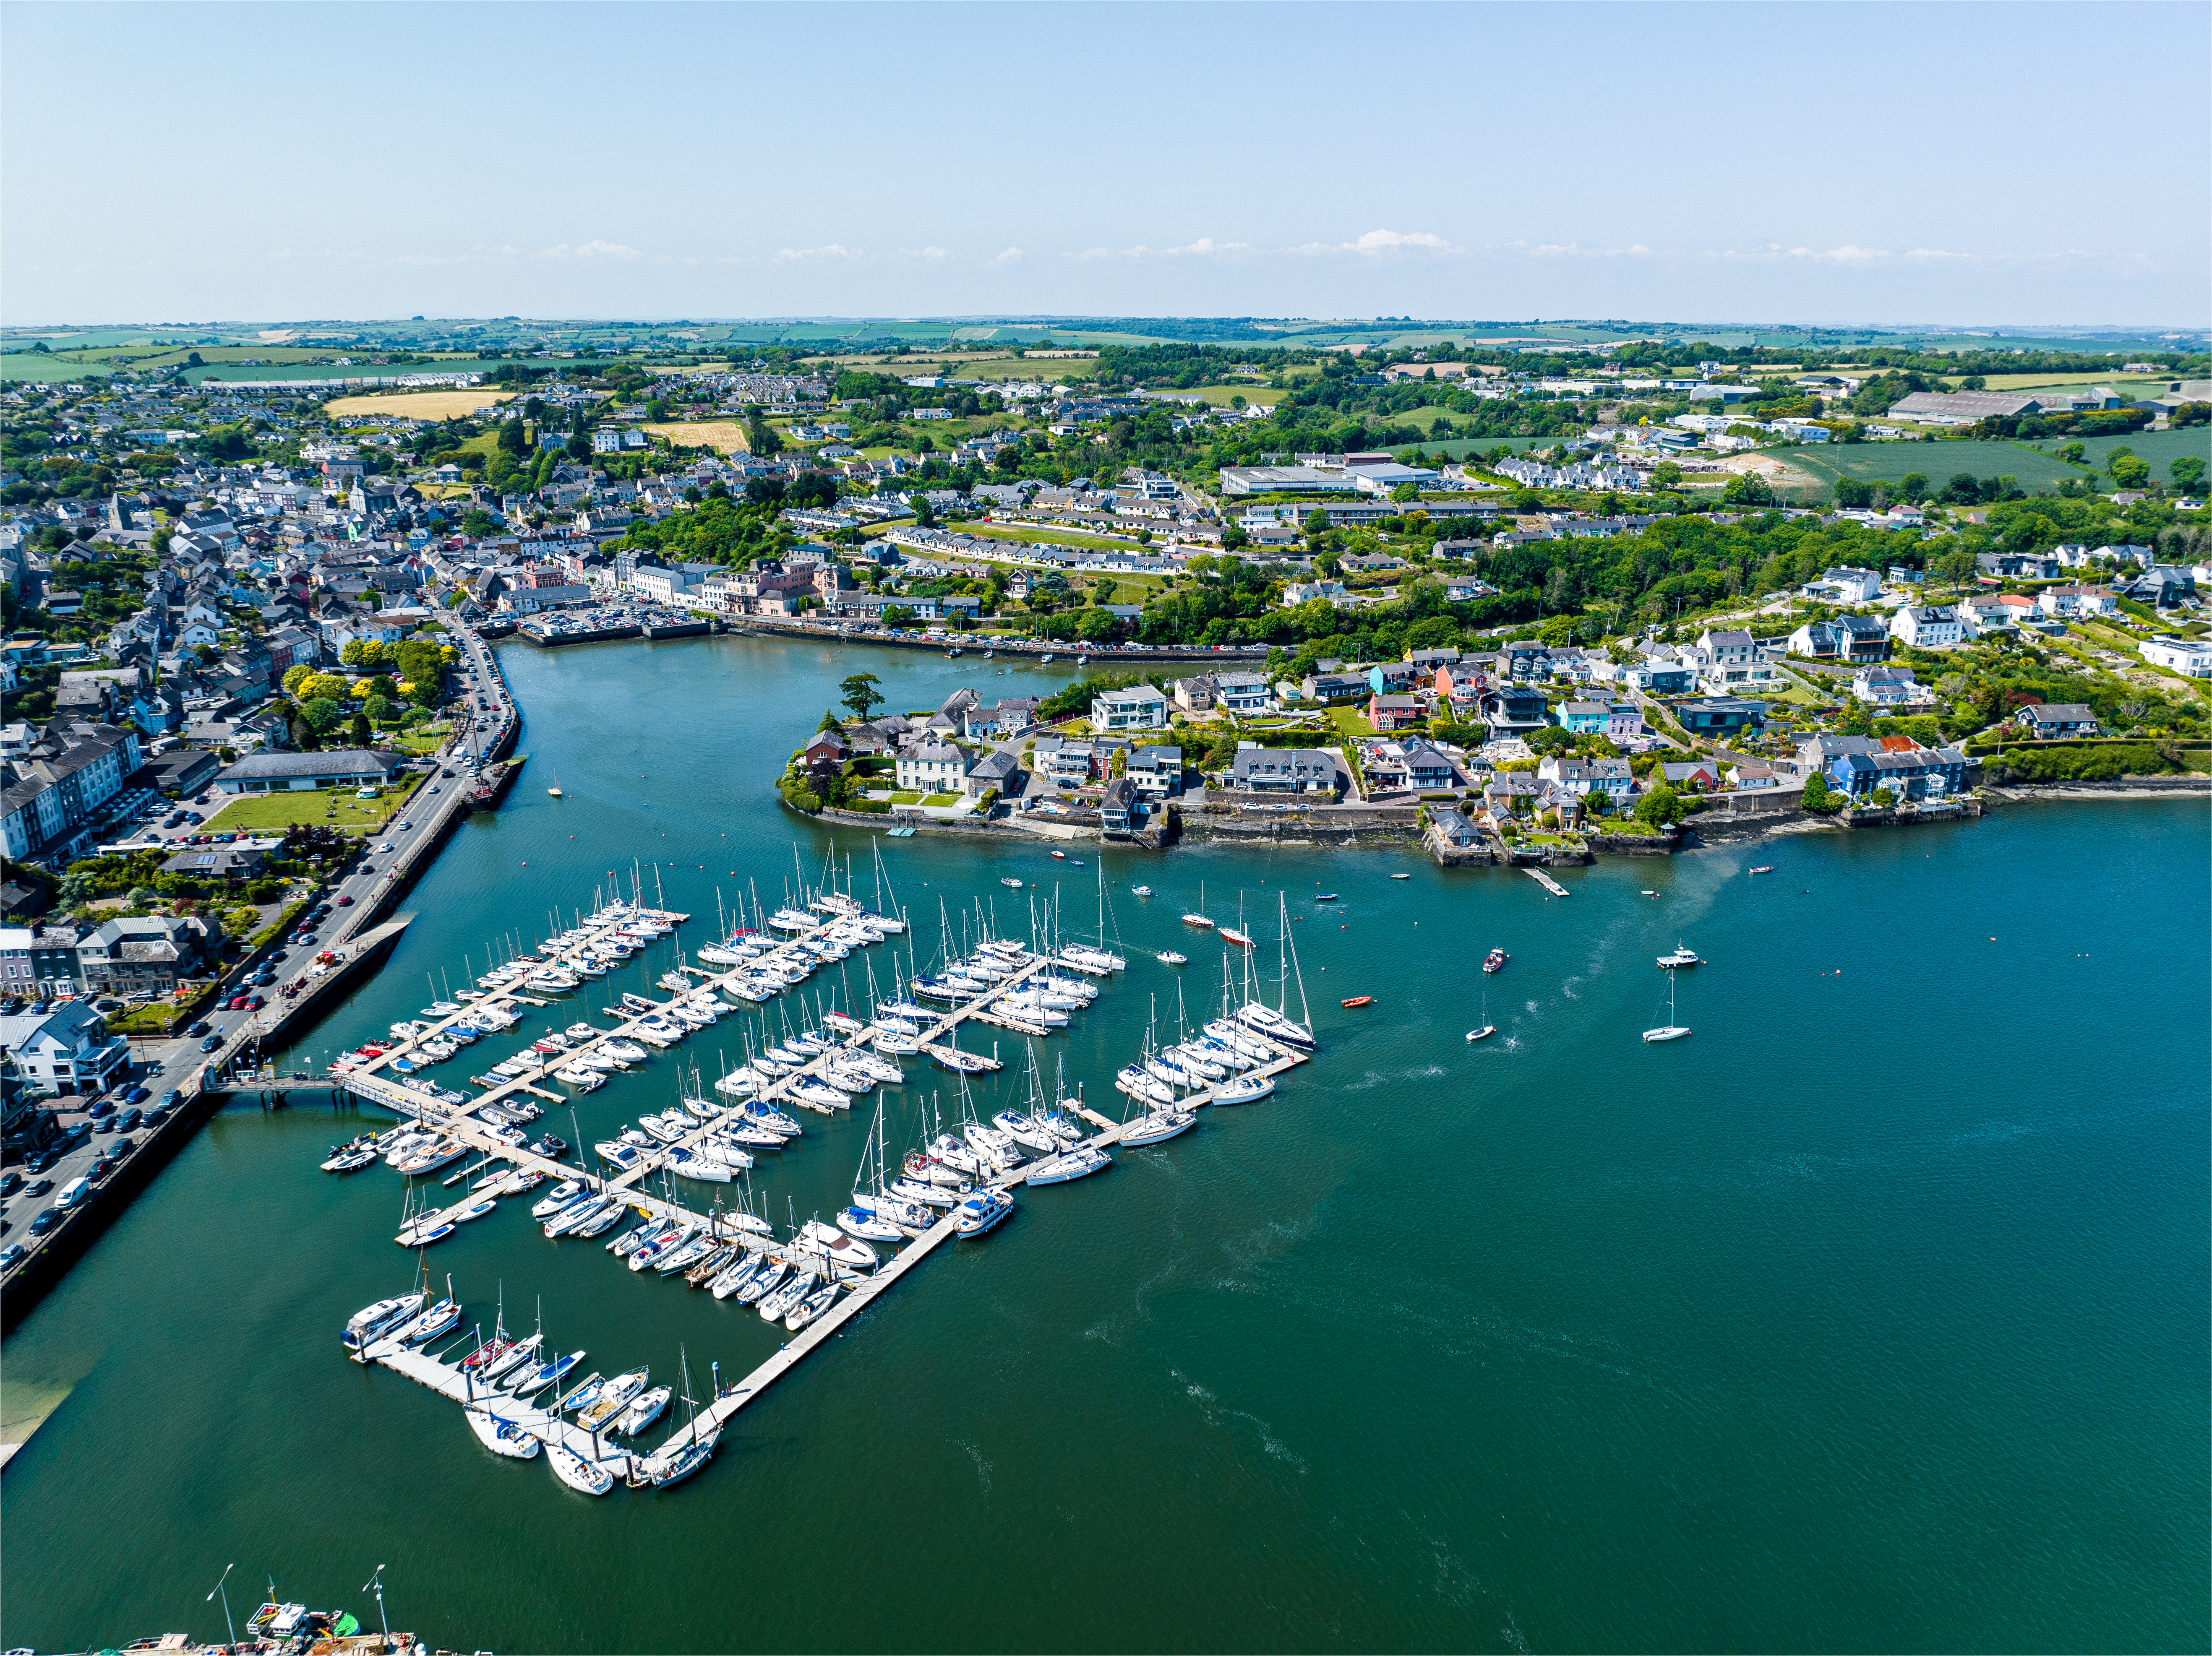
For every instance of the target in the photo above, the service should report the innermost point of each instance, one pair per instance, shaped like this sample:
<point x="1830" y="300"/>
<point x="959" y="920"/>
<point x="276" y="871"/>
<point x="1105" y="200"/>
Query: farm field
<point x="1032" y="534"/>
<point x="723" y="436"/>
<point x="420" y="404"/>
<point x="1937" y="462"/>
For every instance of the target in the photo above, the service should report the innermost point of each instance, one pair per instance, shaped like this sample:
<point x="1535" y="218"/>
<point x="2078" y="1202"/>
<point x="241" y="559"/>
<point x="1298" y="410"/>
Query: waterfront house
<point x="2056" y="719"/>
<point x="1010" y="717"/>
<point x="1751" y="774"/>
<point x="1910" y="774"/>
<point x="932" y="768"/>
<point x="1585" y="718"/>
<point x="144" y="955"/>
<point x="1157" y="771"/>
<point x="997" y="772"/>
<point x="1508" y="792"/>
<point x="1120" y="809"/>
<point x="1067" y="764"/>
<point x="1583" y="777"/>
<point x="1453" y="829"/>
<point x="1135" y="707"/>
<point x="1683" y="774"/>
<point x="1286" y="770"/>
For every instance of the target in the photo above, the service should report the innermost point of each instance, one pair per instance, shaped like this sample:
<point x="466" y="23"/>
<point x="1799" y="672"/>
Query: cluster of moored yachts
<point x="502" y="1375"/>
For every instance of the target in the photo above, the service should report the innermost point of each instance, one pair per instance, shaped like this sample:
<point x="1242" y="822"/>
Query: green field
<point x="1038" y="532"/>
<point x="2037" y="466"/>
<point x="272" y="813"/>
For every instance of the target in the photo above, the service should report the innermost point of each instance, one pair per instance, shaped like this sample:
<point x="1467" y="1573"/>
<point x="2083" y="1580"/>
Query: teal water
<point x="1871" y="1316"/>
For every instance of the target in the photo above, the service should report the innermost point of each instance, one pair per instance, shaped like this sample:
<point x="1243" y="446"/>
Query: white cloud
<point x="594" y="249"/>
<point x="1203" y="247"/>
<point x="1011" y="255"/>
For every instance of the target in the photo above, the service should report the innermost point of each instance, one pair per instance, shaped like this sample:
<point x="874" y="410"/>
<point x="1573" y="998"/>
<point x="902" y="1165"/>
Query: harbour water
<point x="1872" y="1316"/>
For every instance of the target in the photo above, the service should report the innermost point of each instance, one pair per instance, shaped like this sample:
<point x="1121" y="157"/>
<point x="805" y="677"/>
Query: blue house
<point x="1395" y="678"/>
<point x="1915" y="774"/>
<point x="1585" y="718"/>
<point x="1721" y="716"/>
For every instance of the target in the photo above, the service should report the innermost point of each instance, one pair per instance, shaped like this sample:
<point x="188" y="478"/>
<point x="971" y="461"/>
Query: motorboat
<point x="981" y="1212"/>
<point x="838" y="1246"/>
<point x="371" y="1322"/>
<point x="614" y="1396"/>
<point x="1170" y="957"/>
<point x="1140" y="891"/>
<point x="1682" y="956"/>
<point x="551" y="1371"/>
<point x="617" y="1154"/>
<point x="556" y="1198"/>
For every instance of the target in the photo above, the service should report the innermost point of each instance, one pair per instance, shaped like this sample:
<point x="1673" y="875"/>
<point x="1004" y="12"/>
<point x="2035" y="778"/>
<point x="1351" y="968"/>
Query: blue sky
<point x="1985" y="163"/>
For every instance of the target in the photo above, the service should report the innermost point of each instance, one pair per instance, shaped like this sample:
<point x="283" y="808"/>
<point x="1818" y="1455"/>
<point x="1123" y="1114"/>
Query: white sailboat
<point x="1669" y="1030"/>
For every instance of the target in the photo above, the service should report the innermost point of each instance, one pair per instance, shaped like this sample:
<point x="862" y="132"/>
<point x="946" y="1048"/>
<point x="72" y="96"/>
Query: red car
<point x="255" y="1003"/>
<point x="345" y="902"/>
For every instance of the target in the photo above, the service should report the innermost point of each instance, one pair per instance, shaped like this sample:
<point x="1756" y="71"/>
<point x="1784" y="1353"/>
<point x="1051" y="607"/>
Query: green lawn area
<point x="1348" y="721"/>
<point x="2036" y="464"/>
<point x="272" y="813"/>
<point x="1029" y="533"/>
<point x="905" y="799"/>
<point x="942" y="799"/>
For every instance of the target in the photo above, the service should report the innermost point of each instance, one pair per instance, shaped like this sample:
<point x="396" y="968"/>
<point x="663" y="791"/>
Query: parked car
<point x="128" y="1120"/>
<point x="47" y="1219"/>
<point x="71" y="1193"/>
<point x="210" y="1043"/>
<point x="169" y="1100"/>
<point x="39" y="1188"/>
<point x="255" y="1003"/>
<point x="12" y="1255"/>
<point x="235" y="1004"/>
<point x="8" y="1181"/>
<point x="136" y="1094"/>
<point x="100" y="1106"/>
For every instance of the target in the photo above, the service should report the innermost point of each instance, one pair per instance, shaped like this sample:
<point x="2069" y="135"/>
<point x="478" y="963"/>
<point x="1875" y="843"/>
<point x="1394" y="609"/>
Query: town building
<point x="64" y="1049"/>
<point x="331" y="767"/>
<point x="1134" y="707"/>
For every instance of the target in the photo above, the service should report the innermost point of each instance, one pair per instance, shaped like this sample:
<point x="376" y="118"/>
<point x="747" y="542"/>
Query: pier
<point x="373" y="1080"/>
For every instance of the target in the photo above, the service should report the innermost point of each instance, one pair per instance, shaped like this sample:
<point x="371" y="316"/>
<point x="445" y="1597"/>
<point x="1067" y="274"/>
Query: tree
<point x="2073" y="454"/>
<point x="859" y="694"/>
<point x="1316" y="522"/>
<point x="814" y="489"/>
<point x="1852" y="493"/>
<point x="1957" y="567"/>
<point x="1749" y="488"/>
<point x="295" y="676"/>
<point x="1818" y="796"/>
<point x="2128" y="471"/>
<point x="358" y="734"/>
<point x="2187" y="472"/>
<point x="322" y="714"/>
<point x="327" y="687"/>
<point x="1666" y="474"/>
<point x="511" y="439"/>
<point x="1964" y="490"/>
<point x="1661" y="808"/>
<point x="830" y="723"/>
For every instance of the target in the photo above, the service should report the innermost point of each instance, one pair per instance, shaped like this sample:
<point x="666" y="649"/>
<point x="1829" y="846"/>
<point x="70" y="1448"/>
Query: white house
<point x="1885" y="687"/>
<point x="67" y="1050"/>
<point x="2077" y="601"/>
<point x="2191" y="657"/>
<point x="1845" y="586"/>
<point x="1136" y="707"/>
<point x="1729" y="663"/>
<point x="933" y="768"/>
<point x="1935" y="627"/>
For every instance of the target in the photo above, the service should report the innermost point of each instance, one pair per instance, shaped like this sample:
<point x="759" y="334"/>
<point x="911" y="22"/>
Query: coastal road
<point x="341" y="909"/>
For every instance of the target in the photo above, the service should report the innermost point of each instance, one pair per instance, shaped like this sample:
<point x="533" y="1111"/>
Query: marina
<point x="1663" y="1275"/>
<point x="1236" y="1061"/>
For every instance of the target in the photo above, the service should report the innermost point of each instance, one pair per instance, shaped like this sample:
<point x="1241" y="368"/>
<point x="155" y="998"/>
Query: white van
<point x="72" y="1193"/>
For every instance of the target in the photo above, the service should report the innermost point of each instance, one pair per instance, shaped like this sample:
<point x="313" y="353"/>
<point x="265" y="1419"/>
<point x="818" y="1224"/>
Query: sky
<point x="1966" y="165"/>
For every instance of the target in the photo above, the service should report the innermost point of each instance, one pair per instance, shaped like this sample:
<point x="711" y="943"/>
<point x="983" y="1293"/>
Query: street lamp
<point x="376" y="1583"/>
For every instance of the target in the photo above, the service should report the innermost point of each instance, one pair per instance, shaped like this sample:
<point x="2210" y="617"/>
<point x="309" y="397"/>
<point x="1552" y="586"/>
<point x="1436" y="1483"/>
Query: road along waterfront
<point x="1829" y="1325"/>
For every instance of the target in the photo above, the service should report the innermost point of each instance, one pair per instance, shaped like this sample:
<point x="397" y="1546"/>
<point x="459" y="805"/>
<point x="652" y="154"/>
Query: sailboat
<point x="1669" y="1030"/>
<point x="1486" y="1028"/>
<point x="556" y="789"/>
<point x="1198" y="916"/>
<point x="1235" y="933"/>
<point x="675" y="1460"/>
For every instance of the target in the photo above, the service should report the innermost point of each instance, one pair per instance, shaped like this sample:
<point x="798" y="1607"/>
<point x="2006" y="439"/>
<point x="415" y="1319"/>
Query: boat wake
<point x="1217" y="1414"/>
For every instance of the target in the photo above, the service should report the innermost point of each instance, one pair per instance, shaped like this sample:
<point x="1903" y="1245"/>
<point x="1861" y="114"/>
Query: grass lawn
<point x="906" y="799"/>
<point x="941" y="800"/>
<point x="1348" y="721"/>
<point x="272" y="813"/>
<point x="1032" y="534"/>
